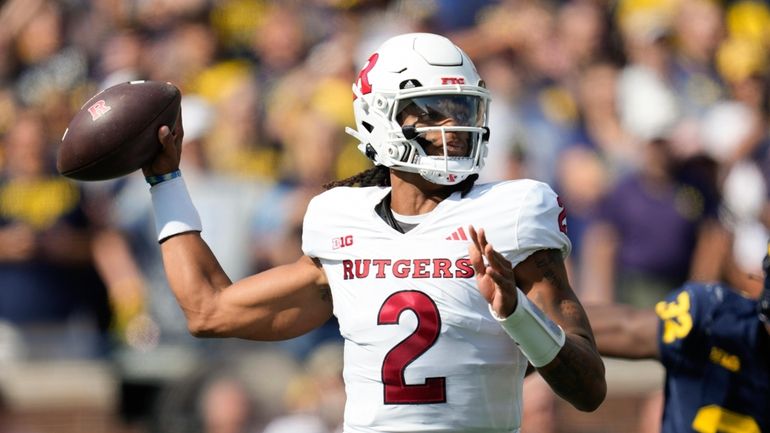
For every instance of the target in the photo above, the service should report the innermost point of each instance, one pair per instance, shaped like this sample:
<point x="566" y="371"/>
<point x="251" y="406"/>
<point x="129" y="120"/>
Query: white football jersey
<point x="422" y="351"/>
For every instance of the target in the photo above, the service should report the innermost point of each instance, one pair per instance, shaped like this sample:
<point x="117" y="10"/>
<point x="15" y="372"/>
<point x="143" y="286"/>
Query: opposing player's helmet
<point x="429" y="73"/>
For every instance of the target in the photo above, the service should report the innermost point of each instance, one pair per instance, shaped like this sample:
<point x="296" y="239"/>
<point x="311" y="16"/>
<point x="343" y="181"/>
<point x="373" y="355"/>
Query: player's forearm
<point x="564" y="355"/>
<point x="195" y="277"/>
<point x="577" y="374"/>
<point x="623" y="331"/>
<point x="194" y="274"/>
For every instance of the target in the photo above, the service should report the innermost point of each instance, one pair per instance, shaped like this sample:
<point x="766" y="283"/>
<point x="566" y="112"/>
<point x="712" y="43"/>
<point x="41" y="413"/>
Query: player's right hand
<point x="167" y="160"/>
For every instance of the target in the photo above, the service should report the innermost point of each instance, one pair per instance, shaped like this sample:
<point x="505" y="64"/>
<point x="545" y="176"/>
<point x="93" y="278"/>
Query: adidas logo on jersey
<point x="457" y="235"/>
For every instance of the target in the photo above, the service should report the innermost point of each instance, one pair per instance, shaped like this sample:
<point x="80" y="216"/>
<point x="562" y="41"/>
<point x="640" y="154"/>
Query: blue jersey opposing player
<point x="714" y="344"/>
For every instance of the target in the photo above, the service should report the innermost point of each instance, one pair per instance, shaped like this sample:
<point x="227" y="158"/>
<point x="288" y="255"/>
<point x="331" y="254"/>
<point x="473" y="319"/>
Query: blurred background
<point x="648" y="117"/>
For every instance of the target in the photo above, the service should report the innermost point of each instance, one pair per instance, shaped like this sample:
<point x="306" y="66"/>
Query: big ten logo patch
<point x="342" y="241"/>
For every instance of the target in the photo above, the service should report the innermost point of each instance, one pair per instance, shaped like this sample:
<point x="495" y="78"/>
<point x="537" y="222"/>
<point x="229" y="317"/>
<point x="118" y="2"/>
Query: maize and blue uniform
<point x="716" y="353"/>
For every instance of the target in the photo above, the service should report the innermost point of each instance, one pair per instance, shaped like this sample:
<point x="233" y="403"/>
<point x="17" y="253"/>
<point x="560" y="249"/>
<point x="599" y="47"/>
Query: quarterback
<point x="445" y="291"/>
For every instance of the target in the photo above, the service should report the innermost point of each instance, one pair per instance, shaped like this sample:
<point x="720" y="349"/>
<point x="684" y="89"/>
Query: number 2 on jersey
<point x="397" y="391"/>
<point x="562" y="216"/>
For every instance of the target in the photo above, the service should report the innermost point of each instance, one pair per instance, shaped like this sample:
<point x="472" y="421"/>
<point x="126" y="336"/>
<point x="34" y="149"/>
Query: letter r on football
<point x="98" y="109"/>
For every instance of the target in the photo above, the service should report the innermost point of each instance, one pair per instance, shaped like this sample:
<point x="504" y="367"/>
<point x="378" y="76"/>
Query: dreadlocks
<point x="379" y="175"/>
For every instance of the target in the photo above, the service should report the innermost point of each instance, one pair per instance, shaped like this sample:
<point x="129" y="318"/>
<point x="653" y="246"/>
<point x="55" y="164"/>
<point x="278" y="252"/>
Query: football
<point x="116" y="131"/>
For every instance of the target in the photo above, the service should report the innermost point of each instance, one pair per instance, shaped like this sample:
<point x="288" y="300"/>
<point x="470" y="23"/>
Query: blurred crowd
<point x="649" y="118"/>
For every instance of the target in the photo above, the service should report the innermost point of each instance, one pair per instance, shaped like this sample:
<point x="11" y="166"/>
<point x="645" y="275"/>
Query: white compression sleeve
<point x="538" y="337"/>
<point x="174" y="210"/>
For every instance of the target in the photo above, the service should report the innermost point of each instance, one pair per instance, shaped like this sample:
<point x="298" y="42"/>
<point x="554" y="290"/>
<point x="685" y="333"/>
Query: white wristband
<point x="538" y="337"/>
<point x="174" y="210"/>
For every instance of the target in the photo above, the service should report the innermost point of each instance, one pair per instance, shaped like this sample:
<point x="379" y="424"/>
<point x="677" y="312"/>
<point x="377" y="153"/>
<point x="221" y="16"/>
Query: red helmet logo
<point x="363" y="76"/>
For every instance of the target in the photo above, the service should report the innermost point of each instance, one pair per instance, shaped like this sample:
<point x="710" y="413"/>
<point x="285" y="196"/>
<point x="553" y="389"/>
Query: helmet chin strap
<point x="437" y="169"/>
<point x="438" y="178"/>
<point x="444" y="170"/>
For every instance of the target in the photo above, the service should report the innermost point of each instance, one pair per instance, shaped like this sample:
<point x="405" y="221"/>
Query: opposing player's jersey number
<point x="397" y="391"/>
<point x="677" y="321"/>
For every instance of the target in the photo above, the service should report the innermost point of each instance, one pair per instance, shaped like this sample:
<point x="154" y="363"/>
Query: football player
<point x="713" y="343"/>
<point x="440" y="319"/>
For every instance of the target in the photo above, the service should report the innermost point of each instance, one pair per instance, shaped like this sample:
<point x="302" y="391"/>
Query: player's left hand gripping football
<point x="167" y="160"/>
<point x="495" y="278"/>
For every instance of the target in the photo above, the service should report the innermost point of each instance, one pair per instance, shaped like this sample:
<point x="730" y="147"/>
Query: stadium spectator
<point x="50" y="287"/>
<point x="314" y="398"/>
<point x="211" y="397"/>
<point x="655" y="228"/>
<point x="226" y="406"/>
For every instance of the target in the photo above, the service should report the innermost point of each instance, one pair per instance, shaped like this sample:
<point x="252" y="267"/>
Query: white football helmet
<point x="430" y="75"/>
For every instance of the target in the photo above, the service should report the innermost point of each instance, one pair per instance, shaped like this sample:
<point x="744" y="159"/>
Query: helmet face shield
<point x="463" y="110"/>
